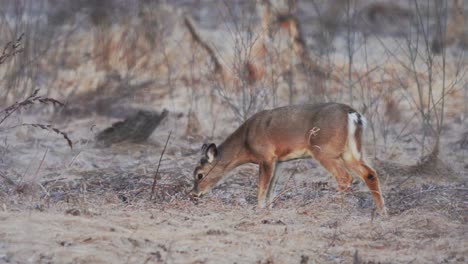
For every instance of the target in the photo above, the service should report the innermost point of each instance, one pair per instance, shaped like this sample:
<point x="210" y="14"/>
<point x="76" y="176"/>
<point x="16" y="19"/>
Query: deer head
<point x="209" y="170"/>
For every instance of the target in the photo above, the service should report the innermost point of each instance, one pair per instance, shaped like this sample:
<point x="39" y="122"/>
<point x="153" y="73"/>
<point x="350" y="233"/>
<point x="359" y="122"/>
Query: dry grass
<point x="424" y="226"/>
<point x="103" y="215"/>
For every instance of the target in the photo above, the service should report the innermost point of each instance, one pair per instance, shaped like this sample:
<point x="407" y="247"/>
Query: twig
<point x="40" y="164"/>
<point x="279" y="196"/>
<point x="159" y="164"/>
<point x="283" y="192"/>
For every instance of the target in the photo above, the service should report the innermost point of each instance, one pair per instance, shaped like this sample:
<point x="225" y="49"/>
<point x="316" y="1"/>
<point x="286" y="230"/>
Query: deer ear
<point x="211" y="152"/>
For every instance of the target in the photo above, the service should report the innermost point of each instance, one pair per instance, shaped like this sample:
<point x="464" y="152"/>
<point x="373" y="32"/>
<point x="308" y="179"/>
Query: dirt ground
<point x="215" y="233"/>
<point x="91" y="204"/>
<point x="92" y="212"/>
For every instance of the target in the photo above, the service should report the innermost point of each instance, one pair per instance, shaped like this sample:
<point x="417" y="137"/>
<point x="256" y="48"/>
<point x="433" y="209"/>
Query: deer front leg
<point x="270" y="195"/>
<point x="267" y="171"/>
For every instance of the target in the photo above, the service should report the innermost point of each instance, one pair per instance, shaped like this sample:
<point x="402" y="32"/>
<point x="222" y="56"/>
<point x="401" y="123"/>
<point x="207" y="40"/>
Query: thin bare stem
<point x="159" y="164"/>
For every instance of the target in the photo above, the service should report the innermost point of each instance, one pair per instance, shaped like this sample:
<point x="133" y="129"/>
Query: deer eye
<point x="199" y="176"/>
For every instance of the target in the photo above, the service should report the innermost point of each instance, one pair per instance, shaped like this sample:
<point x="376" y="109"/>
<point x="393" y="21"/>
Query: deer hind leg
<point x="369" y="176"/>
<point x="266" y="182"/>
<point x="337" y="168"/>
<point x="354" y="160"/>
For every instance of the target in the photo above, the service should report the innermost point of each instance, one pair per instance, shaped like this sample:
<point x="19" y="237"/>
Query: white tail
<point x="356" y="124"/>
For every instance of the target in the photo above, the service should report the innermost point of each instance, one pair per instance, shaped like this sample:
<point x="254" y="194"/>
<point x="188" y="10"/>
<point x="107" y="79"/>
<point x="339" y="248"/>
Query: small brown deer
<point x="329" y="132"/>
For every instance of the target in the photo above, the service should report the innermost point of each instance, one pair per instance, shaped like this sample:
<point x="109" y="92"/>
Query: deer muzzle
<point x="195" y="193"/>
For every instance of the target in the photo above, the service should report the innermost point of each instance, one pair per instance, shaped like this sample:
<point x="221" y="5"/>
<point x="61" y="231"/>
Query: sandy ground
<point x="94" y="212"/>
<point x="320" y="232"/>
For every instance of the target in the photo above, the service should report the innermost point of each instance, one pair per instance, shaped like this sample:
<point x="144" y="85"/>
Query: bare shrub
<point x="10" y="50"/>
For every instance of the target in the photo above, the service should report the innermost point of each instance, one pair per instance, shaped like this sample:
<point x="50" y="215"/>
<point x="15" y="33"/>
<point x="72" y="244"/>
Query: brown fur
<point x="283" y="134"/>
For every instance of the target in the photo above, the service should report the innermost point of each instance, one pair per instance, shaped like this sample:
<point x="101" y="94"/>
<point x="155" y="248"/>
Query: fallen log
<point x="134" y="129"/>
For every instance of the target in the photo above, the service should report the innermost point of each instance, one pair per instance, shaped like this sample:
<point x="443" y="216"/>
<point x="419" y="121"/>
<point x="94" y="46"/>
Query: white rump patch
<point x="353" y="120"/>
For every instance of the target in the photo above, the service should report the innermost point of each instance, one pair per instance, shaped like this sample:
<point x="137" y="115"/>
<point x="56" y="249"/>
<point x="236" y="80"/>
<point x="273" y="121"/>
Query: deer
<point x="331" y="133"/>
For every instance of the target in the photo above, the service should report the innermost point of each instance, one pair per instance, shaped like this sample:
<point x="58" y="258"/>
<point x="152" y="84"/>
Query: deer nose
<point x="195" y="194"/>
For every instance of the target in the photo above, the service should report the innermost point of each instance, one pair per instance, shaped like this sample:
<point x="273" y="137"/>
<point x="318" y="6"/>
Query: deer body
<point x="329" y="132"/>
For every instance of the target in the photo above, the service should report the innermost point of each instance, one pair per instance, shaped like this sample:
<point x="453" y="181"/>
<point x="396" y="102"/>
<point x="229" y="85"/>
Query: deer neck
<point x="233" y="151"/>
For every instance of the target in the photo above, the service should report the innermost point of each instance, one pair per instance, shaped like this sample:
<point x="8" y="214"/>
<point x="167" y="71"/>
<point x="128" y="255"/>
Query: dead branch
<point x="299" y="46"/>
<point x="218" y="68"/>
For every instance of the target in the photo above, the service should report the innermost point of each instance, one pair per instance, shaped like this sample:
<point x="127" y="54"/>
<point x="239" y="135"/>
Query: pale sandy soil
<point x="322" y="232"/>
<point x="94" y="212"/>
